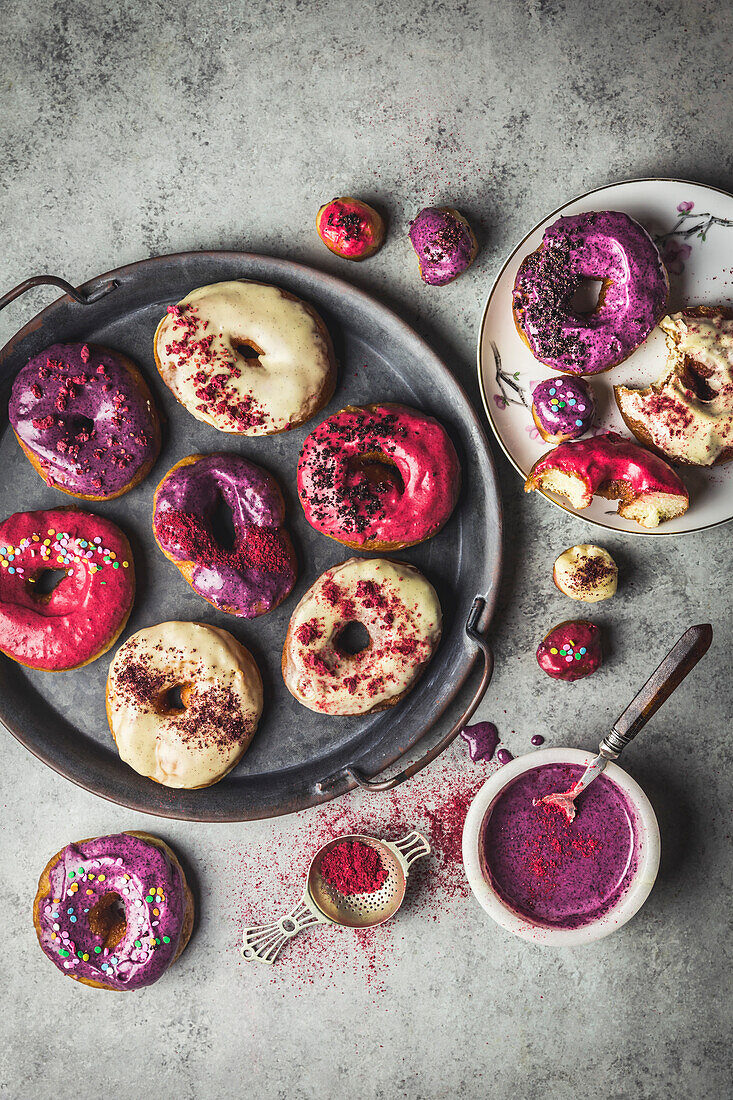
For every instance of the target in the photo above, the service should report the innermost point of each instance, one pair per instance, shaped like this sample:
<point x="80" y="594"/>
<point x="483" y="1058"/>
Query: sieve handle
<point x="264" y="942"/>
<point x="54" y="280"/>
<point x="357" y="777"/>
<point x="409" y="848"/>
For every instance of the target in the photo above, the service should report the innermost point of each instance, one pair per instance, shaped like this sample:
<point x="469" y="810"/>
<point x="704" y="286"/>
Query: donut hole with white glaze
<point x="353" y="638"/>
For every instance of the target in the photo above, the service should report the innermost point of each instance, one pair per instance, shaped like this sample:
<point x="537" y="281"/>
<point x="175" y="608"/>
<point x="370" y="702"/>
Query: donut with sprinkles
<point x="66" y="625"/>
<point x="571" y="651"/>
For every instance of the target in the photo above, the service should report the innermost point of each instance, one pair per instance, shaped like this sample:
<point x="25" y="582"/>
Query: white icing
<point x="689" y="428"/>
<point x="283" y="386"/>
<point x="380" y="672"/>
<point x="568" y="574"/>
<point x="157" y="744"/>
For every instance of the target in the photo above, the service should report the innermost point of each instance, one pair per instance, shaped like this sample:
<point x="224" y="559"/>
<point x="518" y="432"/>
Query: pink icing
<point x="605" y="245"/>
<point x="358" y="501"/>
<point x="87" y="607"/>
<point x="571" y="651"/>
<point x="607" y="458"/>
<point x="350" y="228"/>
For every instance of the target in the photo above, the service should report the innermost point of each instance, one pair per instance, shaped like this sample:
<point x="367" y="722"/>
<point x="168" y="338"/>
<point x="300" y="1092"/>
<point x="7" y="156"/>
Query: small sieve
<point x="322" y="903"/>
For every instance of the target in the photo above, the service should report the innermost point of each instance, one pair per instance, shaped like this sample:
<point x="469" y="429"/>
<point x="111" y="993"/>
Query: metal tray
<point x="298" y="758"/>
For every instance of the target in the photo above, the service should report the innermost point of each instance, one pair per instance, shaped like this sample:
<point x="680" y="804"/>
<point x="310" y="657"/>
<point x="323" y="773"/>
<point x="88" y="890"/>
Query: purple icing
<point x="556" y="873"/>
<point x="80" y="412"/>
<point x="564" y="407"/>
<point x="229" y="580"/>
<point x="143" y="878"/>
<point x="606" y="245"/>
<point x="504" y="756"/>
<point x="482" y="740"/>
<point x="538" y="739"/>
<point x="444" y="245"/>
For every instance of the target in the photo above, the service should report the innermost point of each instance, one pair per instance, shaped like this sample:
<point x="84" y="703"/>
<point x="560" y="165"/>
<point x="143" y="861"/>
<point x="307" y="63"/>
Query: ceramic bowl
<point x="639" y="888"/>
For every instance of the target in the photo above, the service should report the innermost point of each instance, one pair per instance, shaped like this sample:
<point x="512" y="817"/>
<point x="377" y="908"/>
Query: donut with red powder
<point x="85" y="419"/>
<point x="401" y="613"/>
<point x="649" y="491"/>
<point x="255" y="574"/>
<point x="86" y="611"/>
<point x="379" y="477"/>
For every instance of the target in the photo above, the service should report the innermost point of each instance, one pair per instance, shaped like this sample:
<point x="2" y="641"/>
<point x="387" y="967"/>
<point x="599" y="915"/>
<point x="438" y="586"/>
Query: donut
<point x="194" y="741"/>
<point x="85" y="418"/>
<point x="247" y="358"/>
<point x="687" y="414"/>
<point x="114" y="912"/>
<point x="563" y="408"/>
<point x="378" y="477"/>
<point x="586" y="573"/>
<point x="649" y="490"/>
<point x="571" y="651"/>
<point x="84" y="614"/>
<point x="444" y="244"/>
<point x="401" y="613"/>
<point x="259" y="570"/>
<point x="350" y="228"/>
<point x="606" y="245"/>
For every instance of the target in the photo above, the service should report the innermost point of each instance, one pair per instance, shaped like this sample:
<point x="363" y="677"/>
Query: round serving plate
<point x="61" y="716"/>
<point x="693" y="227"/>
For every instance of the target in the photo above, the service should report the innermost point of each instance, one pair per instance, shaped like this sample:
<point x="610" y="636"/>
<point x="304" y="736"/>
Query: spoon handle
<point x="680" y="660"/>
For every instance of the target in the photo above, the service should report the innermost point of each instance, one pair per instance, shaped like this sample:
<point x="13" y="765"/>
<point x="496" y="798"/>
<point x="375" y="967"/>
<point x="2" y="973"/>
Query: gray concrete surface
<point x="129" y="130"/>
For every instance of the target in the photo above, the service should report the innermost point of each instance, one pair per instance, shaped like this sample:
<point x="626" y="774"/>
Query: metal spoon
<point x="680" y="660"/>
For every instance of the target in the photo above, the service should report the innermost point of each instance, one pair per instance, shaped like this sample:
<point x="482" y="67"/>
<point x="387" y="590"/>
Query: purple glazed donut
<point x="563" y="408"/>
<point x="606" y="245"/>
<point x="85" y="418"/>
<point x="444" y="243"/>
<point x="114" y="911"/>
<point x="259" y="570"/>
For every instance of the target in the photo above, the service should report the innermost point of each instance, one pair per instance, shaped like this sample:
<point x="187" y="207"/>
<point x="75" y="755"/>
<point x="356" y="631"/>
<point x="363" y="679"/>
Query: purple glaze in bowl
<point x="82" y="414"/>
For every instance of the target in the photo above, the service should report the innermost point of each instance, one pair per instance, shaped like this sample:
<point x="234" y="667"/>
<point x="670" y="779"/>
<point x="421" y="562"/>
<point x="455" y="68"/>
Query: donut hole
<point x="379" y="471"/>
<point x="588" y="297"/>
<point x="353" y="638"/>
<point x="107" y="919"/>
<point x="80" y="425"/>
<point x="694" y="375"/>
<point x="45" y="583"/>
<point x="248" y="350"/>
<point x="174" y="699"/>
<point x="221" y="522"/>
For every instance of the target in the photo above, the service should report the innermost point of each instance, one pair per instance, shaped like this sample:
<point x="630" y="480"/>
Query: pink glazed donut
<point x="606" y="245"/>
<point x="378" y="477"/>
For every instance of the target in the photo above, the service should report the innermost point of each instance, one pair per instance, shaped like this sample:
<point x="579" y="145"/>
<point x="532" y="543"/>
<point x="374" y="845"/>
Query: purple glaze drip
<point x="444" y="245"/>
<point x="538" y="739"/>
<point x="133" y="869"/>
<point x="78" y="410"/>
<point x="255" y="501"/>
<point x="606" y="245"/>
<point x="564" y="406"/>
<point x="504" y="756"/>
<point x="482" y="740"/>
<point x="552" y="872"/>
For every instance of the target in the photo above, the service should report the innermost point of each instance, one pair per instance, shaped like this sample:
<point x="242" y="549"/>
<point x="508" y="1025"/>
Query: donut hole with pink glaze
<point x="584" y="925"/>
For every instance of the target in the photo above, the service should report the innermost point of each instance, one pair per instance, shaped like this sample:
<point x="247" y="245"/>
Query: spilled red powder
<point x="353" y="867"/>
<point x="266" y="878"/>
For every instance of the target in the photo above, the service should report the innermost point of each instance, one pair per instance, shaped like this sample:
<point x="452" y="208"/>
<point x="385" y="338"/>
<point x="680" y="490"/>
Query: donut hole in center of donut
<point x="175" y="699"/>
<point x="379" y="471"/>
<point x="353" y="638"/>
<point x="588" y="297"/>
<point x="45" y="583"/>
<point x="107" y="919"/>
<point x="221" y="522"/>
<point x="248" y="350"/>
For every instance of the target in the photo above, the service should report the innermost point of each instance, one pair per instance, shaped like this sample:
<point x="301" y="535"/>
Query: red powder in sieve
<point x="353" y="867"/>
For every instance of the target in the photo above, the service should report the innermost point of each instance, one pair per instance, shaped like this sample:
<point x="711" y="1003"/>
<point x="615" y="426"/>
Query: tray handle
<point x="373" y="784"/>
<point x="54" y="280"/>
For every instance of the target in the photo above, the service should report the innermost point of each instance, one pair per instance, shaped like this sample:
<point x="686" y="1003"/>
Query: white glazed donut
<point x="221" y="692"/>
<point x="247" y="358"/>
<point x="401" y="613"/>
